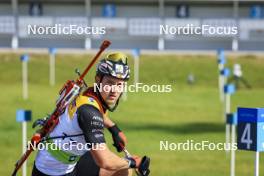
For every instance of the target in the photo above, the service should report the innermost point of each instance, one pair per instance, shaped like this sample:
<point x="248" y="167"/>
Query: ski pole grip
<point x="105" y="44"/>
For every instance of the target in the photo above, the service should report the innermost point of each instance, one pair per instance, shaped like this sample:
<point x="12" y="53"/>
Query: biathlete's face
<point x="111" y="89"/>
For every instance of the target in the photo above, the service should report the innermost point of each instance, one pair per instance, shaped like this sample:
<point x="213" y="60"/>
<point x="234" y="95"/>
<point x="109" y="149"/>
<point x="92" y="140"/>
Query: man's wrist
<point x="114" y="129"/>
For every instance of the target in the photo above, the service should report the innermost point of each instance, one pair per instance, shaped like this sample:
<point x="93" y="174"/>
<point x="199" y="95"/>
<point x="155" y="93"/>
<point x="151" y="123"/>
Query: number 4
<point x="246" y="136"/>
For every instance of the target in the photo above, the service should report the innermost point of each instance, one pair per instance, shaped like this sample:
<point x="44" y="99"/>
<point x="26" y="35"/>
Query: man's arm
<point x="119" y="138"/>
<point x="108" y="122"/>
<point x="108" y="160"/>
<point x="91" y="122"/>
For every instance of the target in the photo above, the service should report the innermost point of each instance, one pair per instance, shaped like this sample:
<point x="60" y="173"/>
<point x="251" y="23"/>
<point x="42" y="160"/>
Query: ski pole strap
<point x="60" y="155"/>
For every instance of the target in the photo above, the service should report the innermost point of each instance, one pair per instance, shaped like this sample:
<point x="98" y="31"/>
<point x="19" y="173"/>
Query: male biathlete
<point x="83" y="122"/>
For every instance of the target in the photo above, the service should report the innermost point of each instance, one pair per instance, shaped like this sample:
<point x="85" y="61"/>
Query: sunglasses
<point x="117" y="57"/>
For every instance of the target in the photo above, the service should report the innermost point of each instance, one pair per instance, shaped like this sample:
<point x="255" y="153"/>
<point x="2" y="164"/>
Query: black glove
<point x="143" y="169"/>
<point x="119" y="138"/>
<point x="141" y="165"/>
<point x="133" y="162"/>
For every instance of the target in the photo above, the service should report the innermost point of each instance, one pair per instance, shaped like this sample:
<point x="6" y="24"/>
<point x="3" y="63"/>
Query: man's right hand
<point x="134" y="161"/>
<point x="141" y="164"/>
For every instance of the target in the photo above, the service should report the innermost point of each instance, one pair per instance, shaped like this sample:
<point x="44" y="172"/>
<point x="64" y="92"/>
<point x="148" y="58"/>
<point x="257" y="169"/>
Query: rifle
<point x="67" y="94"/>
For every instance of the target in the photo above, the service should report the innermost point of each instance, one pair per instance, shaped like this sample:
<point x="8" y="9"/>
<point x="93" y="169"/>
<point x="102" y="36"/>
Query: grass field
<point x="187" y="113"/>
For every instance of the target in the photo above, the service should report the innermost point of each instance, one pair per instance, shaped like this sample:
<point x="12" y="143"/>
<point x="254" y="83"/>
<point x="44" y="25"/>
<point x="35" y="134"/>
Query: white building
<point x="133" y="23"/>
